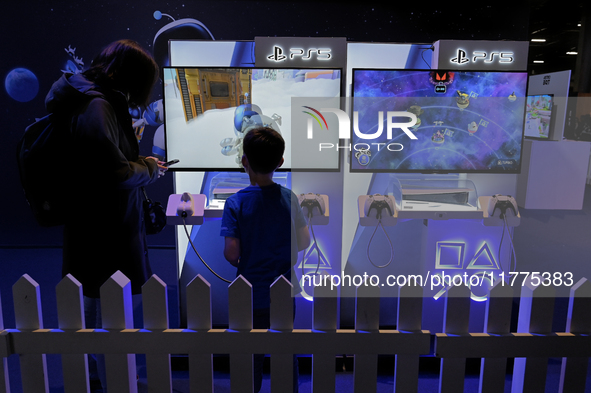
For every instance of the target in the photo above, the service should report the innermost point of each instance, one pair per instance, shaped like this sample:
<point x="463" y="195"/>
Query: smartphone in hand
<point x="171" y="162"/>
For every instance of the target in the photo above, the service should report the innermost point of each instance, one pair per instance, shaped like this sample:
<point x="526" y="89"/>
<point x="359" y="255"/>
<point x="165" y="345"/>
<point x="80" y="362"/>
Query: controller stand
<point x="193" y="207"/>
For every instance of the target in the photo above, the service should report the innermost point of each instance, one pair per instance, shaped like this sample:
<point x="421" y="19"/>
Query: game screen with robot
<point x="452" y="121"/>
<point x="209" y="110"/>
<point x="538" y="116"/>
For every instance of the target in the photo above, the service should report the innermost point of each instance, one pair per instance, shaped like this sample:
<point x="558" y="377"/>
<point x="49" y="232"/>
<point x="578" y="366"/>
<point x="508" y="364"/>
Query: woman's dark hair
<point x="125" y="66"/>
<point x="264" y="149"/>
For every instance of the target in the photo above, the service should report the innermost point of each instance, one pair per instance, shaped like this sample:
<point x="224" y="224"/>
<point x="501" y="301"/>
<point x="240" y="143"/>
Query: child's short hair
<point x="264" y="149"/>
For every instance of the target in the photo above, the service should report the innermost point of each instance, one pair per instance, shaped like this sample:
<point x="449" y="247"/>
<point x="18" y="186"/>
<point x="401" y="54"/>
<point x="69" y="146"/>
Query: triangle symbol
<point x="483" y="259"/>
<point x="311" y="263"/>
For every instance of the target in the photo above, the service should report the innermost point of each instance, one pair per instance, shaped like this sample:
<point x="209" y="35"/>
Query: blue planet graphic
<point x="21" y="84"/>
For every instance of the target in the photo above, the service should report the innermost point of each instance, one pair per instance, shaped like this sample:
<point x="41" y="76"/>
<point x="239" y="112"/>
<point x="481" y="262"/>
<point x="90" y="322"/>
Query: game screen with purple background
<point x="538" y="116"/>
<point x="467" y="121"/>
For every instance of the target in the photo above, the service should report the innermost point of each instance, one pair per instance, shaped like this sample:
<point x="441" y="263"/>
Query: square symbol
<point x="449" y="255"/>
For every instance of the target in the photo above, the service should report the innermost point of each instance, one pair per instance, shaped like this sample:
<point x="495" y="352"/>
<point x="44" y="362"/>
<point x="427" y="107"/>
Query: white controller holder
<point x="498" y="208"/>
<point x="191" y="206"/>
<point x="315" y="208"/>
<point x="376" y="208"/>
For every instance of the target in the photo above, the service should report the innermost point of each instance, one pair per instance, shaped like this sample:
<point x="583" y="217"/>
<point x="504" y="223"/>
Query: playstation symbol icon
<point x="277" y="54"/>
<point x="461" y="59"/>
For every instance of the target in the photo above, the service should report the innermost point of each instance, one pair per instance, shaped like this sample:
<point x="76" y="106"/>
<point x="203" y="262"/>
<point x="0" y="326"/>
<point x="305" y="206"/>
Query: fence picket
<point x="199" y="304"/>
<point x="282" y="320"/>
<point x="409" y="319"/>
<point x="4" y="375"/>
<point x="456" y="321"/>
<point x="199" y="319"/>
<point x="367" y="308"/>
<point x="70" y="312"/>
<point x="324" y="319"/>
<point x="497" y="321"/>
<point x="155" y="299"/>
<point x="117" y="314"/>
<point x="27" y="312"/>
<point x="325" y="308"/>
<point x="536" y="311"/>
<point x="155" y="309"/>
<point x="240" y="319"/>
<point x="281" y="305"/>
<point x="367" y="321"/>
<point x="573" y="371"/>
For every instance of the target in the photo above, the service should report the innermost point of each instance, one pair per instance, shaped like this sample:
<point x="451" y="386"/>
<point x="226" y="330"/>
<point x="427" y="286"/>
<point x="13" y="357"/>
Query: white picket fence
<point x="119" y="341"/>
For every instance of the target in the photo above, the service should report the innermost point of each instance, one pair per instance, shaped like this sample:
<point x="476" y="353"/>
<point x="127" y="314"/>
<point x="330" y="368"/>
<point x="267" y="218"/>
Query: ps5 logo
<point x="277" y="54"/>
<point x="318" y="53"/>
<point x="461" y="59"/>
<point x="500" y="57"/>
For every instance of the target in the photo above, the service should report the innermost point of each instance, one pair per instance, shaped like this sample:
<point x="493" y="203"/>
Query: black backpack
<point x="39" y="153"/>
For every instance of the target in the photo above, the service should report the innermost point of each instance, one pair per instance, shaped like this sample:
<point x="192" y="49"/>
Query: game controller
<point x="501" y="205"/>
<point x="186" y="206"/>
<point x="379" y="206"/>
<point x="312" y="204"/>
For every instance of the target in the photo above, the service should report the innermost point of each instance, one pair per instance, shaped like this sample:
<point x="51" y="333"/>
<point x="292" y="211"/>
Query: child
<point x="264" y="227"/>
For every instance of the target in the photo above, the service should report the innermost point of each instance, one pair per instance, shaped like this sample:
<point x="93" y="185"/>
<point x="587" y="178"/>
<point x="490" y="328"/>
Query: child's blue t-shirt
<point x="265" y="219"/>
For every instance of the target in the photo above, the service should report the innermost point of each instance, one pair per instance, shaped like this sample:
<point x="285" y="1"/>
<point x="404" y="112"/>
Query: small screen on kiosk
<point x="538" y="116"/>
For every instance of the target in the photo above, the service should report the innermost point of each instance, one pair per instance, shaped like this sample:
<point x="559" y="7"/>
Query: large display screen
<point x="437" y="121"/>
<point x="538" y="116"/>
<point x="209" y="110"/>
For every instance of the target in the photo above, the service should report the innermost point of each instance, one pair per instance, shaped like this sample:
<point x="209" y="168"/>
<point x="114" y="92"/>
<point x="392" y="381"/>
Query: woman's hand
<point x="161" y="168"/>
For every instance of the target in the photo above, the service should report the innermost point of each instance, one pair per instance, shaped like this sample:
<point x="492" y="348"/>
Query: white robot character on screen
<point x="247" y="117"/>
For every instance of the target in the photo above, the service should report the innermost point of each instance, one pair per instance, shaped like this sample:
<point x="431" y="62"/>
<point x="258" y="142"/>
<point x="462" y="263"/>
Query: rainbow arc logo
<point x="316" y="112"/>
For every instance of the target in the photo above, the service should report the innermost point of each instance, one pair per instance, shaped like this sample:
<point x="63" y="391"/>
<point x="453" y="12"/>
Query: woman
<point x="105" y="231"/>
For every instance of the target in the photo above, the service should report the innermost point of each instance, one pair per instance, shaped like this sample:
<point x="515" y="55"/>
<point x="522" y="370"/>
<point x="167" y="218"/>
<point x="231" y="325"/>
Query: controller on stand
<point x="502" y="206"/>
<point x="312" y="204"/>
<point x="379" y="206"/>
